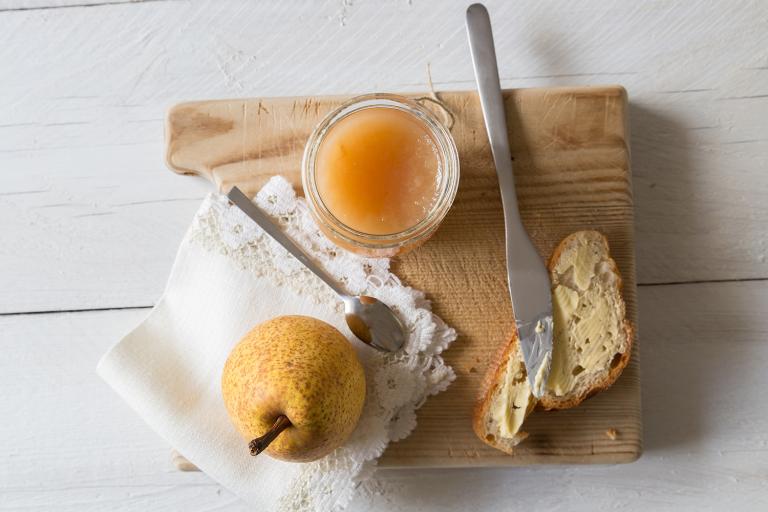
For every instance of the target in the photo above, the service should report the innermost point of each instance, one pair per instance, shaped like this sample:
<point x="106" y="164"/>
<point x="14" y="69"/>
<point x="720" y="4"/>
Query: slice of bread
<point x="506" y="399"/>
<point x="591" y="345"/>
<point x="592" y="337"/>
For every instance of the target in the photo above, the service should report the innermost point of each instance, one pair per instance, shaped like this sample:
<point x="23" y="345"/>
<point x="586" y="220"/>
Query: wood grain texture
<point x="571" y="157"/>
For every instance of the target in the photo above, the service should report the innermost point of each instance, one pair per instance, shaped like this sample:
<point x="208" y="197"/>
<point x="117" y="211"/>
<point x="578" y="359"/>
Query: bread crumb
<point x="472" y="369"/>
<point x="612" y="434"/>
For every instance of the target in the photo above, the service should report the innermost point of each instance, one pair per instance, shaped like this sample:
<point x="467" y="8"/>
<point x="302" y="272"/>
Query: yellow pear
<point x="293" y="386"/>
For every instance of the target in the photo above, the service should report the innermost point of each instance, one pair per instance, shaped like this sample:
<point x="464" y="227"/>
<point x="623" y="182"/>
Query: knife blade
<point x="528" y="278"/>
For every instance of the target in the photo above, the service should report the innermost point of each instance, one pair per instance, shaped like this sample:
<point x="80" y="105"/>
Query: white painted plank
<point x="84" y="91"/>
<point x="70" y="444"/>
<point x="19" y="5"/>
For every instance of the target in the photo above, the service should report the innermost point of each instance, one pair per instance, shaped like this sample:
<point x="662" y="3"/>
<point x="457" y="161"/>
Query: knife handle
<point x="492" y="103"/>
<point x="527" y="276"/>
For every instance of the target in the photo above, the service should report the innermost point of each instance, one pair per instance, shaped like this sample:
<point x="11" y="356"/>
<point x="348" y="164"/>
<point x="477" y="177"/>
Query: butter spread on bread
<point x="507" y="399"/>
<point x="591" y="345"/>
<point x="592" y="337"/>
<point x="513" y="401"/>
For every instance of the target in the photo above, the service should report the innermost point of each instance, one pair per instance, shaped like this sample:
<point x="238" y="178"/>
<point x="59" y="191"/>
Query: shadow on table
<point x="681" y="363"/>
<point x="699" y="363"/>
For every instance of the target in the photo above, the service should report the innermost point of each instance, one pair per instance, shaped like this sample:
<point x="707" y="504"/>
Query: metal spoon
<point x="368" y="318"/>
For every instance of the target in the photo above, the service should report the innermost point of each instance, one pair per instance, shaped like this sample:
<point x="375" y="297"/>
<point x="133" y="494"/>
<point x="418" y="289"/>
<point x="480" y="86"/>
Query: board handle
<point x="238" y="142"/>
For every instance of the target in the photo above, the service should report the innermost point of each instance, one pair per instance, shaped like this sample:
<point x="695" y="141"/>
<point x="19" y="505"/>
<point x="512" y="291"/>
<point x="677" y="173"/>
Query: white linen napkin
<point x="228" y="276"/>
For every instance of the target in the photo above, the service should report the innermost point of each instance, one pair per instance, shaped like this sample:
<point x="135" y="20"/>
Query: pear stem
<point x="260" y="444"/>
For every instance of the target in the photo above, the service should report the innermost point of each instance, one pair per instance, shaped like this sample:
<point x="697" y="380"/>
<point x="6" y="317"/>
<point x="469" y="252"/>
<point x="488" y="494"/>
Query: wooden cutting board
<point x="571" y="156"/>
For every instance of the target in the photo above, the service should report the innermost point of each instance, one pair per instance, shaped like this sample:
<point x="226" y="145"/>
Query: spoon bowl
<point x="373" y="322"/>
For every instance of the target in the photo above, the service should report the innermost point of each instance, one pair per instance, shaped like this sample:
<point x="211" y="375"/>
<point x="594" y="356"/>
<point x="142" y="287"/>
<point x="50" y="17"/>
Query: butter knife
<point x="528" y="278"/>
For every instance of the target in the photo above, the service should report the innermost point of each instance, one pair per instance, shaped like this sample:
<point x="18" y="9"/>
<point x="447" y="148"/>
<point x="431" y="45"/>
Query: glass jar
<point x="446" y="176"/>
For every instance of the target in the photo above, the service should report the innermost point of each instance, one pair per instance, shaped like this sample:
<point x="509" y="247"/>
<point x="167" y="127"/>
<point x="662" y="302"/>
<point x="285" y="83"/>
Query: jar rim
<point x="446" y="193"/>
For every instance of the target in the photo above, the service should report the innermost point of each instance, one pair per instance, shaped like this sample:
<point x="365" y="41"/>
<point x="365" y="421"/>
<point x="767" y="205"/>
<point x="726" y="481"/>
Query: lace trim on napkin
<point x="397" y="384"/>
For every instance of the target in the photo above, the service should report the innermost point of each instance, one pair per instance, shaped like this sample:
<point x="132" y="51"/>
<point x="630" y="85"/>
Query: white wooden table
<point x="90" y="221"/>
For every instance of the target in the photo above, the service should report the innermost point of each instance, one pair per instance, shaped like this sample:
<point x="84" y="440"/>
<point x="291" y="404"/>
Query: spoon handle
<point x="251" y="210"/>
